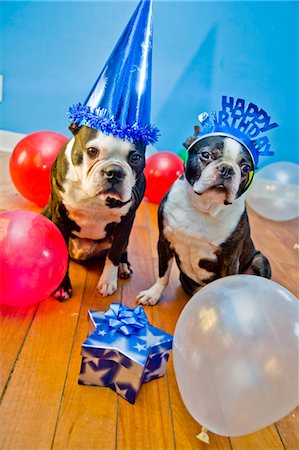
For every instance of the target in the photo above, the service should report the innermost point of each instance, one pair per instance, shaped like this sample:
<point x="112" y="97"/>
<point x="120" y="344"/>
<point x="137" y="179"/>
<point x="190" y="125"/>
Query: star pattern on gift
<point x="165" y="355"/>
<point x="91" y="376"/>
<point x="123" y="362"/>
<point x="140" y="347"/>
<point x="157" y="369"/>
<point x="102" y="332"/>
<point x="121" y="391"/>
<point x="90" y="359"/>
<point x="126" y="384"/>
<point x="151" y="375"/>
<point x="151" y="339"/>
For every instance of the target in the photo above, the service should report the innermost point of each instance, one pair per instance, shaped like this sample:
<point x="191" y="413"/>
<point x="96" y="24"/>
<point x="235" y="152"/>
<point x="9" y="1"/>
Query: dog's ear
<point x="193" y="138"/>
<point x="188" y="142"/>
<point x="140" y="147"/>
<point x="74" y="128"/>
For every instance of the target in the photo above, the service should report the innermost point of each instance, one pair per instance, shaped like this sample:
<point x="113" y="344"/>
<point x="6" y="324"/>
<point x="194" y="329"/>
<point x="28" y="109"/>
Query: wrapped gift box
<point x="123" y="350"/>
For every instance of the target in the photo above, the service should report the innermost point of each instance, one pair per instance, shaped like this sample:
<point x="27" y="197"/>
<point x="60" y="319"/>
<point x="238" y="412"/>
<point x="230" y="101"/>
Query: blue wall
<point x="52" y="53"/>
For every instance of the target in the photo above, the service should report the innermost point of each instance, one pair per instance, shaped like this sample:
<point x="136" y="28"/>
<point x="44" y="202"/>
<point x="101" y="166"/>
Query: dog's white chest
<point x="93" y="217"/>
<point x="194" y="235"/>
<point x="191" y="244"/>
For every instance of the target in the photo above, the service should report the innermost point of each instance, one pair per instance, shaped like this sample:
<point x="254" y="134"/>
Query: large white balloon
<point x="274" y="192"/>
<point x="236" y="354"/>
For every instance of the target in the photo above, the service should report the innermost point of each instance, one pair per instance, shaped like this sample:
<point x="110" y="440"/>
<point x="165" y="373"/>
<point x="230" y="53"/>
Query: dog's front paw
<point x="151" y="296"/>
<point x="106" y="287"/>
<point x="64" y="291"/>
<point x="125" y="270"/>
<point x="107" y="284"/>
<point x="62" y="294"/>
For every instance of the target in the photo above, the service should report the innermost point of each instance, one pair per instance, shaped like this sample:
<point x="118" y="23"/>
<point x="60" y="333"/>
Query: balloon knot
<point x="203" y="436"/>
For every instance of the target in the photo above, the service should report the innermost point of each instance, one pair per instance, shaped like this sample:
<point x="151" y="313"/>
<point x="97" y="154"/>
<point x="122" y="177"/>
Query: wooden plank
<point x="284" y="276"/>
<point x="87" y="416"/>
<point x="141" y="216"/>
<point x="185" y="427"/>
<point x="276" y="240"/>
<point x="31" y="402"/>
<point x="146" y="424"/>
<point x="293" y="275"/>
<point x="152" y="211"/>
<point x="287" y="232"/>
<point x="290" y="226"/>
<point x="267" y="438"/>
<point x="166" y="314"/>
<point x="283" y="257"/>
<point x="14" y="326"/>
<point x="139" y="252"/>
<point x="278" y="249"/>
<point x="288" y="429"/>
<point x="283" y="273"/>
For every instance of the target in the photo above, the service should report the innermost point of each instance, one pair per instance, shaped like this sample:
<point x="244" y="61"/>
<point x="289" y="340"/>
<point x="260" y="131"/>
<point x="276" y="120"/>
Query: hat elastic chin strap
<point x="249" y="181"/>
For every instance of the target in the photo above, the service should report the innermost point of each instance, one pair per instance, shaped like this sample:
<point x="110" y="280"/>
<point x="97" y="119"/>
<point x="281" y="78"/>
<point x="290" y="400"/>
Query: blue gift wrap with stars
<point x="123" y="350"/>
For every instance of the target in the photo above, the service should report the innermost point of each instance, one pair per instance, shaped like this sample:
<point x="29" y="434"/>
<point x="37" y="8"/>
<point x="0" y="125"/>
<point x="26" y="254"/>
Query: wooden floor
<point x="42" y="405"/>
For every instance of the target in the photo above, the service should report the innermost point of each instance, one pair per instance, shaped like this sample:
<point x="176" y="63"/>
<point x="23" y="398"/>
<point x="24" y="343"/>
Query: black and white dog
<point x="97" y="185"/>
<point x="203" y="222"/>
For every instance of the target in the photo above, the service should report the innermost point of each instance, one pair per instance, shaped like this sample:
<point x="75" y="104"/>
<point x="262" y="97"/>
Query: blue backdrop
<point x="52" y="52"/>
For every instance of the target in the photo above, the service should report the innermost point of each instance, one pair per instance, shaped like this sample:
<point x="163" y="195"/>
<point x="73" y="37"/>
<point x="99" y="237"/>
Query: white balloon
<point x="274" y="192"/>
<point x="236" y="354"/>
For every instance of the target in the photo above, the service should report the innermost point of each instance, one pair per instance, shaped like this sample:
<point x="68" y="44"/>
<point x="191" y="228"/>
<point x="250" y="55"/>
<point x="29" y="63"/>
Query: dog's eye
<point x="135" y="158"/>
<point x="92" y="152"/>
<point x="245" y="168"/>
<point x="205" y="156"/>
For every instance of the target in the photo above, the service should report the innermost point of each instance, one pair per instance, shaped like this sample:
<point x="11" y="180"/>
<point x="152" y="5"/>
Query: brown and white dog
<point x="203" y="222"/>
<point x="97" y="185"/>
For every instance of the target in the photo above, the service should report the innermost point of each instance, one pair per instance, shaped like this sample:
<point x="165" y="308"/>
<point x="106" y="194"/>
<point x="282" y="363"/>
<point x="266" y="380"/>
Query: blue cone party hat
<point x="246" y="124"/>
<point x="119" y="102"/>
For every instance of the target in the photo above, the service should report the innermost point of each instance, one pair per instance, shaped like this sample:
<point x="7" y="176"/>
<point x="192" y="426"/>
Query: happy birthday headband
<point x="245" y="124"/>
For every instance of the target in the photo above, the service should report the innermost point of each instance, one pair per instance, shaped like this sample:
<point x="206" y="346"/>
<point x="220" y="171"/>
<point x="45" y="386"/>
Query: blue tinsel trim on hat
<point x="99" y="119"/>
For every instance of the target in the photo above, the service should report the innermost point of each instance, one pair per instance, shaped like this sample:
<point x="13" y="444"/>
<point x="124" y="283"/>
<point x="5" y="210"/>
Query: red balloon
<point x="33" y="258"/>
<point x="31" y="162"/>
<point x="161" y="171"/>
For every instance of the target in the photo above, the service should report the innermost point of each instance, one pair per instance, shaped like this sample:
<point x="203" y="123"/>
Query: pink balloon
<point x="33" y="258"/>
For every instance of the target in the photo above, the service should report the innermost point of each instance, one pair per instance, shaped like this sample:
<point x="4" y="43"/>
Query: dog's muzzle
<point x="226" y="171"/>
<point x="221" y="179"/>
<point x="113" y="173"/>
<point x="111" y="178"/>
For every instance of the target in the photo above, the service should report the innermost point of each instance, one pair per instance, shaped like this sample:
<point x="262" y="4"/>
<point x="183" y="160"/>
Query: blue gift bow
<point x="124" y="319"/>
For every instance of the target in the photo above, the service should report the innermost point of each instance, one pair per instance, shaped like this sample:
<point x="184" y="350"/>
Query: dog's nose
<point x="114" y="172"/>
<point x="226" y="170"/>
